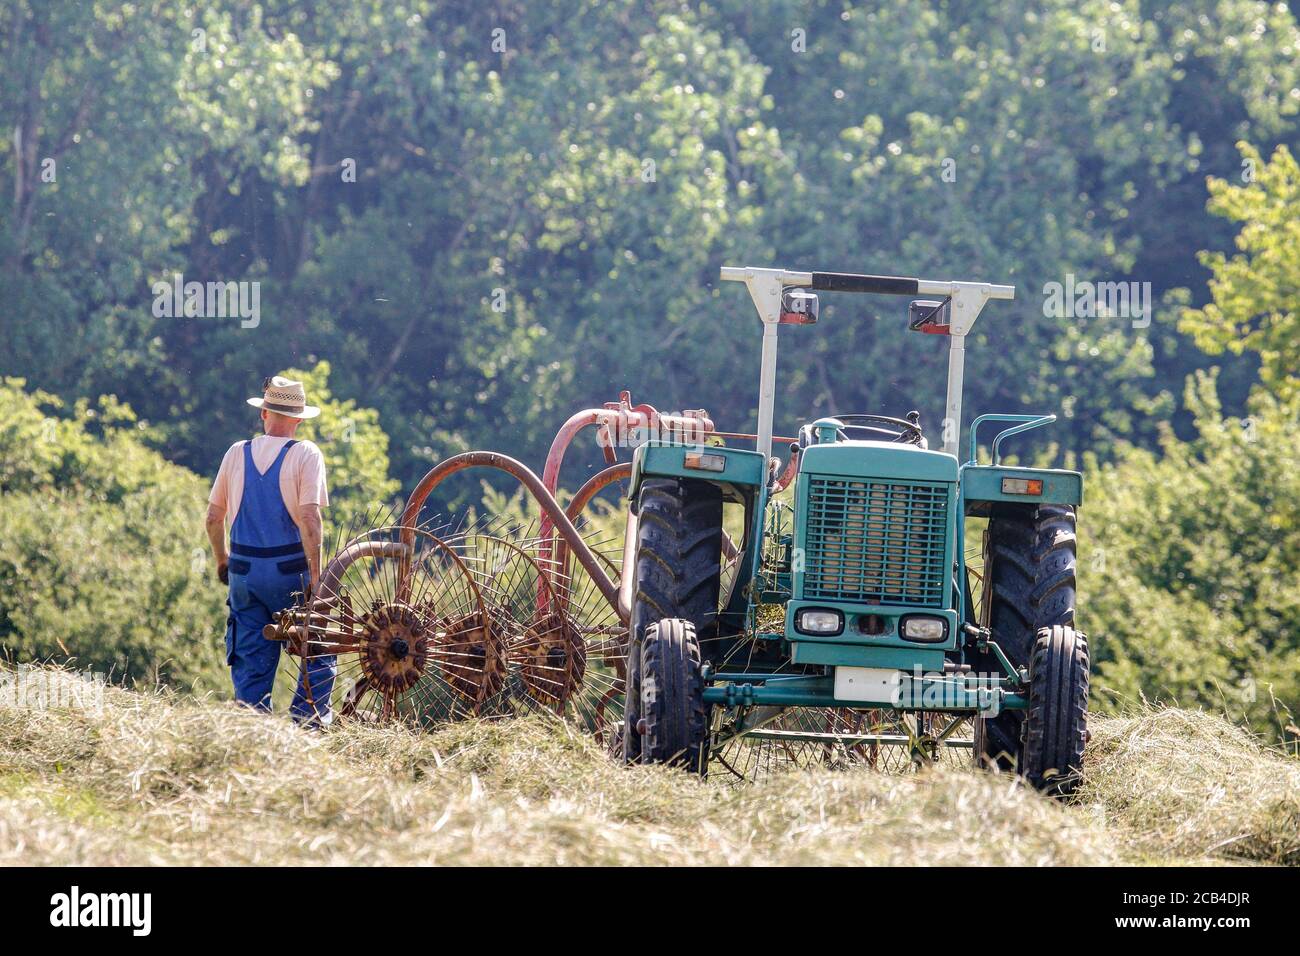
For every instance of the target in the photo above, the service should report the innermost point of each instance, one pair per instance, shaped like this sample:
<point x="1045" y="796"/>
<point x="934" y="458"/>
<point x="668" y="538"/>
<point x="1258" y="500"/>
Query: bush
<point x="103" y="557"/>
<point x="1187" y="566"/>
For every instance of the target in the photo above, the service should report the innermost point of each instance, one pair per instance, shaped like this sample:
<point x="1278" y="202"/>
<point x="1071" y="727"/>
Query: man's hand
<point x="216" y="527"/>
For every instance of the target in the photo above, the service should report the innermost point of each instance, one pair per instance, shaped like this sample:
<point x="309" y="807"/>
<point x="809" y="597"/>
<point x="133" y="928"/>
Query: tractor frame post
<point x="765" y="288"/>
<point x="968" y="299"/>
<point x="952" y="407"/>
<point x="767" y="390"/>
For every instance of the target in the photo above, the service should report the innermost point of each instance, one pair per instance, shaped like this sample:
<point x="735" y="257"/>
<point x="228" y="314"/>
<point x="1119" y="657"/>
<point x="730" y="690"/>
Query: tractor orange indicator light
<point x="699" y="461"/>
<point x="1022" y="486"/>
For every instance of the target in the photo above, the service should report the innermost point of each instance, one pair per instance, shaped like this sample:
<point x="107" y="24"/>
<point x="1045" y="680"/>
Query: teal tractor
<point x="844" y="604"/>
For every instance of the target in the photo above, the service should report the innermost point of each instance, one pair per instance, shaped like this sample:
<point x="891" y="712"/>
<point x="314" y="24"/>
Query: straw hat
<point x="284" y="397"/>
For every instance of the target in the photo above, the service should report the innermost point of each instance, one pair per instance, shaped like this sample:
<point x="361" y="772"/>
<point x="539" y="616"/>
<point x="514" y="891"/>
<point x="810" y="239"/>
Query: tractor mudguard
<point x="738" y="470"/>
<point x="981" y="485"/>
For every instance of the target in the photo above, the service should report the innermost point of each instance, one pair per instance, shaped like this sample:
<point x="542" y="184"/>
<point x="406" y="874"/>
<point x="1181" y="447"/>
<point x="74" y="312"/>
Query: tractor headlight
<point x="927" y="630"/>
<point x="818" y="620"/>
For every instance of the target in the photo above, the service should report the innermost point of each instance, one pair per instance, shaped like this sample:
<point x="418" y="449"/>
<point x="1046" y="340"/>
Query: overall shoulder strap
<point x="279" y="459"/>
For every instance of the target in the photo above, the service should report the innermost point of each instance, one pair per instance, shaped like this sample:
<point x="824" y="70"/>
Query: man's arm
<point x="216" y="525"/>
<point x="311" y="532"/>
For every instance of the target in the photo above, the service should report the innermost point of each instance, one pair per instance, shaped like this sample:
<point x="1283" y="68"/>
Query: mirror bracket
<point x="925" y="315"/>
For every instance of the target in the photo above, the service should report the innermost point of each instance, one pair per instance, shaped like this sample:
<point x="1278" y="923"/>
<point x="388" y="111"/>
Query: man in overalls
<point x="273" y="489"/>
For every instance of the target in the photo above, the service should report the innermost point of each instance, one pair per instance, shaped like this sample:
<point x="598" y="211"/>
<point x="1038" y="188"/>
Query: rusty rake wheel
<point x="565" y="647"/>
<point x="545" y="656"/>
<point x="411" y="635"/>
<point x="596" y="704"/>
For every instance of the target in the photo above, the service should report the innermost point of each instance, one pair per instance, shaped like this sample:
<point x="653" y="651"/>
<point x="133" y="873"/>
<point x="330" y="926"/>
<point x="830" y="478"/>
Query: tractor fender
<point x="981" y="485"/>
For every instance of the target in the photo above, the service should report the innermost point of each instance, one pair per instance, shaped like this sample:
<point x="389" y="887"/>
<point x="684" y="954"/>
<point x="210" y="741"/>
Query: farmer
<point x="272" y="488"/>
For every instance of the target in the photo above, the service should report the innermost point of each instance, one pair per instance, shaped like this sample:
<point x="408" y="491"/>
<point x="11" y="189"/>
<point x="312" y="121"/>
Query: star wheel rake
<point x="597" y="705"/>
<point x="564" y="645"/>
<point x="397" y="631"/>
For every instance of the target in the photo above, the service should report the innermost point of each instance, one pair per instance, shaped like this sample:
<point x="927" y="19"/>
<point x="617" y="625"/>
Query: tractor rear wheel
<point x="678" y="556"/>
<point x="1030" y="561"/>
<point x="672" y="726"/>
<point x="1056" y="723"/>
<point x="678" y="575"/>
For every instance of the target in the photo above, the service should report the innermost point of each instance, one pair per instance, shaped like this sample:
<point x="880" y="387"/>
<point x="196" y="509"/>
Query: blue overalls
<point x="267" y="565"/>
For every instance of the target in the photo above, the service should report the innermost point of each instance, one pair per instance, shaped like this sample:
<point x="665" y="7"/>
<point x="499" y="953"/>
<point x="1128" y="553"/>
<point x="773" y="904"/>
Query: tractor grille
<point x="875" y="542"/>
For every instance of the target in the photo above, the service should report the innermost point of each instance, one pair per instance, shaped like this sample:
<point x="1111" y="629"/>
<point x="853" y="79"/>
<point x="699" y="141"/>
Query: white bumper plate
<point x="876" y="685"/>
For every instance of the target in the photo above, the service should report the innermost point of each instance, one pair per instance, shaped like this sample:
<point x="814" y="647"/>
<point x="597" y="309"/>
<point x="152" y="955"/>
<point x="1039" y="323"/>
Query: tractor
<point x="849" y="594"/>
<point x="870" y="598"/>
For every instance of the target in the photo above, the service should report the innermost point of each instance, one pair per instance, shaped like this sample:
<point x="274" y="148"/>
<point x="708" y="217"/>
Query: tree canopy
<point x="1255" y="304"/>
<point x="485" y="216"/>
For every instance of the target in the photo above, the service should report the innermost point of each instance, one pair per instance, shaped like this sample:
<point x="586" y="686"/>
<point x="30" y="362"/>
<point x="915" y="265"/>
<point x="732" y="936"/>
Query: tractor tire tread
<point x="678" y="559"/>
<point x="1033" y="552"/>
<point x="672" y="697"/>
<point x="1055" y="726"/>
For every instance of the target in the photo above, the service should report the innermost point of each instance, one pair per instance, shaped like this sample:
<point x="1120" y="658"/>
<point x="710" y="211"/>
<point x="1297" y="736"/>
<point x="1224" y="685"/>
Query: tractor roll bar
<point x="863" y="283"/>
<point x="765" y="288"/>
<point x="848" y="282"/>
<point x="900" y="285"/>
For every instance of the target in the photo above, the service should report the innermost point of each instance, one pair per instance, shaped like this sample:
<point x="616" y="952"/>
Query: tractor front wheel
<point x="1056" y="723"/>
<point x="671" y="724"/>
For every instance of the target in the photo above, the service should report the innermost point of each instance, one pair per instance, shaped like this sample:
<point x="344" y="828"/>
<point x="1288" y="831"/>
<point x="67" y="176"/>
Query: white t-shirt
<point x="302" y="476"/>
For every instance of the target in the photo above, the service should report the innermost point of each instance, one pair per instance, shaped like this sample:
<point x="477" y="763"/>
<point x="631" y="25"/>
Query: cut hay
<point x="154" y="779"/>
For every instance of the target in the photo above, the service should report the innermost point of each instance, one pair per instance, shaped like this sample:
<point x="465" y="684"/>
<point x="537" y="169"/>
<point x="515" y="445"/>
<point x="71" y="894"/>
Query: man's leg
<point x="253" y="659"/>
<point x="311" y="699"/>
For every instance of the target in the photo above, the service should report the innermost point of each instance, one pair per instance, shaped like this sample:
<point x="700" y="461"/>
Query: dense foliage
<point x="485" y="215"/>
<point x="1188" y="567"/>
<point x="103" y="556"/>
<point x="1256" y="292"/>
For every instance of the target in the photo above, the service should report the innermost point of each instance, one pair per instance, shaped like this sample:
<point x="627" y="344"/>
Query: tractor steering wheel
<point x="904" y="430"/>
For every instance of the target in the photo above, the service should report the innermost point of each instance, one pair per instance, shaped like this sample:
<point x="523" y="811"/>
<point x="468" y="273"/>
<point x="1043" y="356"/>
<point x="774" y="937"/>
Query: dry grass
<point x="1187" y="783"/>
<point x="183" y="781"/>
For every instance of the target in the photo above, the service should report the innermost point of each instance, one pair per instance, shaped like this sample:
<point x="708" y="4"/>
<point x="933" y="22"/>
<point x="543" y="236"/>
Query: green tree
<point x="1188" y="565"/>
<point x="134" y="128"/>
<point x="1255" y="292"/>
<point x="487" y="216"/>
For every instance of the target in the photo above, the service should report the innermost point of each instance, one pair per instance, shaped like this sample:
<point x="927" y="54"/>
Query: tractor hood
<point x="878" y="459"/>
